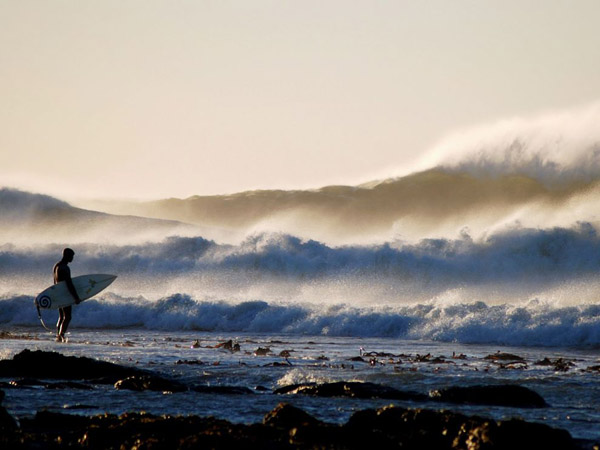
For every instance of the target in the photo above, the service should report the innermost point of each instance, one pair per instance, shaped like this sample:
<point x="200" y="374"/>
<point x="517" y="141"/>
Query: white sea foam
<point x="532" y="323"/>
<point x="560" y="146"/>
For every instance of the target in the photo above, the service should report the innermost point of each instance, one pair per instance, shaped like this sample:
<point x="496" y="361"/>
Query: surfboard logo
<point x="92" y="284"/>
<point x="44" y="301"/>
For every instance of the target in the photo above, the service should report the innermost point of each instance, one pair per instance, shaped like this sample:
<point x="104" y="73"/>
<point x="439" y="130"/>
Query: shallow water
<point x="574" y="395"/>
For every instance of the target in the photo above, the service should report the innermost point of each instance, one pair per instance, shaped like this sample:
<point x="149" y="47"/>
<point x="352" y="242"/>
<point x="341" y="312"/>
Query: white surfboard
<point x="58" y="295"/>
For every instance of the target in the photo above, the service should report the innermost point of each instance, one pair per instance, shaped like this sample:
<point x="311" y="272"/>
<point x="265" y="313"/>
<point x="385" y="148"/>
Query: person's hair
<point x="68" y="251"/>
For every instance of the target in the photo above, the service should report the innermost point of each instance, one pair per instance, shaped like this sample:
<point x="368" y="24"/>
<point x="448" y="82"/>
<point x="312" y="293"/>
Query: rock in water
<point x="149" y="383"/>
<point x="41" y="364"/>
<point x="351" y="389"/>
<point x="502" y="395"/>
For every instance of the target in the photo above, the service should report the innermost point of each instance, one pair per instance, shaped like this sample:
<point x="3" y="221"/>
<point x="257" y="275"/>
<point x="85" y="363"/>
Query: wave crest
<point x="532" y="324"/>
<point x="556" y="148"/>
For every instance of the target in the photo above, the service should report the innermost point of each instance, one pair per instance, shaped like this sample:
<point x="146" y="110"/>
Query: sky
<point x="173" y="98"/>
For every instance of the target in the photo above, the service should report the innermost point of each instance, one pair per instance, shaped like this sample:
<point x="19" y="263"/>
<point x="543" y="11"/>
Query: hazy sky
<point x="149" y="98"/>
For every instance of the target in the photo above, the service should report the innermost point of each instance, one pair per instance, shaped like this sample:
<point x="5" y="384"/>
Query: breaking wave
<point x="514" y="254"/>
<point x="495" y="241"/>
<point x="533" y="324"/>
<point x="556" y="148"/>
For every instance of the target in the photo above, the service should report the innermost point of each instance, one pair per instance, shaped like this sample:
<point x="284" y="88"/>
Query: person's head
<point x="68" y="254"/>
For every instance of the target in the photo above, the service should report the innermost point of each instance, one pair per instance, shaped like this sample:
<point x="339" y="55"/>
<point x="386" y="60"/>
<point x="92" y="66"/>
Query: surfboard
<point x="58" y="295"/>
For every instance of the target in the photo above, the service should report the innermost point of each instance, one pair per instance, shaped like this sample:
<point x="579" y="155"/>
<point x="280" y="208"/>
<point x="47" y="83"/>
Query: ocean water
<point x="492" y="246"/>
<point x="573" y="395"/>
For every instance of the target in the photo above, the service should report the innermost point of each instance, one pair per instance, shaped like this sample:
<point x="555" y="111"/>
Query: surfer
<point x="62" y="272"/>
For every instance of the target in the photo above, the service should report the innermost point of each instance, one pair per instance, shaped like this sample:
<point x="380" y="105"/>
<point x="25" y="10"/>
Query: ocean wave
<point x="556" y="148"/>
<point x="511" y="255"/>
<point x="533" y="323"/>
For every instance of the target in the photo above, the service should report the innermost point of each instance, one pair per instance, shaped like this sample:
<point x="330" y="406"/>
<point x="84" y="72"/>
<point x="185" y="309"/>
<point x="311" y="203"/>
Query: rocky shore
<point x="285" y="427"/>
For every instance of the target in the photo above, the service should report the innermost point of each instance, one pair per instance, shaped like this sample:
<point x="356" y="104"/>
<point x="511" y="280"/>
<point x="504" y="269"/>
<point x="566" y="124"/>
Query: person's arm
<point x="67" y="277"/>
<point x="73" y="291"/>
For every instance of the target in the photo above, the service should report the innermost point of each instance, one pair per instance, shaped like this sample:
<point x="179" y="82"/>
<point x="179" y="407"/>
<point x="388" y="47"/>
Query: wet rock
<point x="288" y="416"/>
<point x="293" y="388"/>
<point x="287" y="363"/>
<point x="519" y="365"/>
<point x="190" y="362"/>
<point x="149" y="383"/>
<point x="229" y="345"/>
<point x="422" y="358"/>
<point x="414" y="429"/>
<point x="392" y="427"/>
<point x="10" y="335"/>
<point x="286" y="427"/>
<point x="260" y="351"/>
<point x="520" y="434"/>
<point x="378" y="354"/>
<point x="503" y="357"/>
<point x="7" y="422"/>
<point x="514" y="434"/>
<point x="304" y="430"/>
<point x="26" y="383"/>
<point x="502" y="395"/>
<point x="559" y="365"/>
<point x="54" y="365"/>
<point x="351" y="389"/>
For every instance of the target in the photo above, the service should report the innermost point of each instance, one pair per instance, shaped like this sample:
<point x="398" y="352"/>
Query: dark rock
<point x="191" y="362"/>
<point x="304" y="430"/>
<point x="286" y="427"/>
<point x="260" y="351"/>
<point x="149" y="383"/>
<point x="7" y="423"/>
<point x="43" y="364"/>
<point x="351" y="389"/>
<point x="261" y="388"/>
<point x="278" y="364"/>
<point x="288" y="416"/>
<point x="26" y="383"/>
<point x="502" y="395"/>
<point x="392" y="427"/>
<point x="34" y="383"/>
<point x="292" y="388"/>
<point x="229" y="345"/>
<point x="560" y="364"/>
<point x="515" y="435"/>
<point x="414" y="429"/>
<point x="504" y="357"/>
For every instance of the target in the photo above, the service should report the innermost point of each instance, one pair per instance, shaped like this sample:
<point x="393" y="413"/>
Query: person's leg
<point x="66" y="319"/>
<point x="61" y="318"/>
